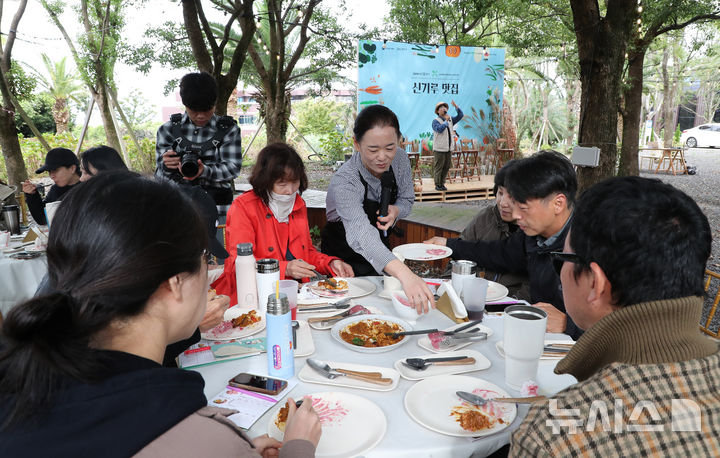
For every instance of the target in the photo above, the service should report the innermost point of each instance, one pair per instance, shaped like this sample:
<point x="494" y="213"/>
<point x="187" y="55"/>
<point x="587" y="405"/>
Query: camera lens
<point x="189" y="165"/>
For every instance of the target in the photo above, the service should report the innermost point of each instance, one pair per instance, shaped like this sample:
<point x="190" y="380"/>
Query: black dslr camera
<point x="189" y="154"/>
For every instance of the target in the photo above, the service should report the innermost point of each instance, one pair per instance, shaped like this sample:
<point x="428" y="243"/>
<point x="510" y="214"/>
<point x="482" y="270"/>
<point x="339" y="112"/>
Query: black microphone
<point x="386" y="181"/>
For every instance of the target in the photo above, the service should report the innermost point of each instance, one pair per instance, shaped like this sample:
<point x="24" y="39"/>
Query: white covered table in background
<point x="404" y="437"/>
<point x="19" y="278"/>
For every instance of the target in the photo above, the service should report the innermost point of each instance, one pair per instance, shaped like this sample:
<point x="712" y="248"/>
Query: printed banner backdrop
<point x="411" y="78"/>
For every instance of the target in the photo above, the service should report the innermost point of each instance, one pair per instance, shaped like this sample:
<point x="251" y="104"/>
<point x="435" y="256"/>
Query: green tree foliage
<point x="95" y="50"/>
<point x="448" y="22"/>
<point x="140" y="112"/>
<point x="62" y="85"/>
<point x="40" y="109"/>
<point x="321" y="116"/>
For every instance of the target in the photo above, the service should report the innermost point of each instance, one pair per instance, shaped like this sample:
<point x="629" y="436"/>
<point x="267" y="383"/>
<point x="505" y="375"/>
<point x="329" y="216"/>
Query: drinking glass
<point x="290" y="288"/>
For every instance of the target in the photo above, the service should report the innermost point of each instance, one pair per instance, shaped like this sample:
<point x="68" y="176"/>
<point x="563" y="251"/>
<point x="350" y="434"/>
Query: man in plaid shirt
<point x="632" y="277"/>
<point x="216" y="140"/>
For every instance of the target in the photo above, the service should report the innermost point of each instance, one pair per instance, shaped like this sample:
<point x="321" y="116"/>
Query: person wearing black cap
<point x="64" y="169"/>
<point x="443" y="132"/>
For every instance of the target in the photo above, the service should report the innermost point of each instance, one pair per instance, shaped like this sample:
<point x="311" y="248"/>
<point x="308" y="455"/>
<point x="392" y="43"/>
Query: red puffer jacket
<point x="250" y="220"/>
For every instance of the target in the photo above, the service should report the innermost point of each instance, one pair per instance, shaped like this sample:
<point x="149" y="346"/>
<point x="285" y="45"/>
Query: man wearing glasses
<point x="632" y="276"/>
<point x="542" y="188"/>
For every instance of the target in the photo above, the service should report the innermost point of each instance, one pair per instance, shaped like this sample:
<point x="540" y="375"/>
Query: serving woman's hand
<point x="302" y="422"/>
<point x="297" y="268"/>
<point x="414" y="287"/>
<point x="341" y="269"/>
<point x="437" y="241"/>
<point x="386" y="222"/>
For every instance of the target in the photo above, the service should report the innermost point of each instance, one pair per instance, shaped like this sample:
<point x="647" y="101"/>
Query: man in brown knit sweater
<point x="632" y="277"/>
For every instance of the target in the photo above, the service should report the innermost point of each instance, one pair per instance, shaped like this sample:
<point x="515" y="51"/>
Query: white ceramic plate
<point x="422" y="251"/>
<point x="305" y="344"/>
<point x="495" y="291"/>
<point x="424" y="341"/>
<point x="235" y="333"/>
<point x="481" y="363"/>
<point x="430" y="403"/>
<point x="373" y="310"/>
<point x="501" y="349"/>
<point x="340" y="325"/>
<point x="310" y="375"/>
<point x="351" y="424"/>
<point x="357" y="287"/>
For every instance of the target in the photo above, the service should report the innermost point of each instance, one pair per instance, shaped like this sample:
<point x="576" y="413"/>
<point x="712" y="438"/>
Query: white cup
<point x="391" y="284"/>
<point x="474" y="294"/>
<point x="50" y="209"/>
<point x="524" y="328"/>
<point x="4" y="239"/>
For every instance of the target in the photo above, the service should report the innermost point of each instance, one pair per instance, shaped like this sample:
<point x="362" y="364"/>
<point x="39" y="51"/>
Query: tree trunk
<point x="61" y="115"/>
<point x="277" y="112"/>
<point x="14" y="163"/>
<point x="631" y="116"/>
<point x="9" y="143"/>
<point x="601" y="50"/>
<point x="572" y="91"/>
<point x="101" y="98"/>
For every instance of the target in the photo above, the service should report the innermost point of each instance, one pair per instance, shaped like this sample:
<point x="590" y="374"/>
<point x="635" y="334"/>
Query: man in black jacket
<point x="543" y="188"/>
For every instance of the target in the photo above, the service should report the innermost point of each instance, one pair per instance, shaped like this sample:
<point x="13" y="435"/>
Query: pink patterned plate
<point x="421" y="252"/>
<point x="351" y="424"/>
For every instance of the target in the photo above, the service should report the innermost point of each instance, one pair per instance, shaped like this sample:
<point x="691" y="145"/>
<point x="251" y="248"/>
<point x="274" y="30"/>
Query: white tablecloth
<point x="404" y="437"/>
<point x="19" y="278"/>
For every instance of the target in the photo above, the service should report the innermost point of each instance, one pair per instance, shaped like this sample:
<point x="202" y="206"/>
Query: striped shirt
<point x="344" y="203"/>
<point x="222" y="164"/>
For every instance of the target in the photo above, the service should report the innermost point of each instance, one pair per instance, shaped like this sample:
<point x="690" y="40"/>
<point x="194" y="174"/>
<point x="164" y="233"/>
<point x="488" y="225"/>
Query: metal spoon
<point x="421" y="364"/>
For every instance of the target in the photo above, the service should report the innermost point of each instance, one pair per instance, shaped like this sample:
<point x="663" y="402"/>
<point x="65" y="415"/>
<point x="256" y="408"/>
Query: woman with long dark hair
<point x="80" y="368"/>
<point x="100" y="159"/>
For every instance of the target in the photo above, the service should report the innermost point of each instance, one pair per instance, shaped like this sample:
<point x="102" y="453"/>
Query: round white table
<point x="404" y="437"/>
<point x="19" y="278"/>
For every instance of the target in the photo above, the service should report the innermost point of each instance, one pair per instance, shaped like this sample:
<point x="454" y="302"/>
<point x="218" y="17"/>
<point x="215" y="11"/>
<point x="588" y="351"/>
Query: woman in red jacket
<point x="273" y="217"/>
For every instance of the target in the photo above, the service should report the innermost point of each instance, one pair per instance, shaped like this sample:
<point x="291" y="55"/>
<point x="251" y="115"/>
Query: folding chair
<point x="706" y="326"/>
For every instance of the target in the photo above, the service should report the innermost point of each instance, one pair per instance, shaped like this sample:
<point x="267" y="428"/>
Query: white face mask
<point x="281" y="205"/>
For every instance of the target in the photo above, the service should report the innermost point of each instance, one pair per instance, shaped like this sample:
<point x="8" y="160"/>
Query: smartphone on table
<point x="258" y="383"/>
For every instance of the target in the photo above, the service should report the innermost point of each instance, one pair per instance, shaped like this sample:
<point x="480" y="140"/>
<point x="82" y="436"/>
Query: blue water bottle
<point x="281" y="362"/>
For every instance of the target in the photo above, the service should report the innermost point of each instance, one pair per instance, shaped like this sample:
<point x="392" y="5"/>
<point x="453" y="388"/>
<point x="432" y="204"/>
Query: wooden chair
<point x="650" y="155"/>
<point x="716" y="284"/>
<point x="489" y="160"/>
<point x="472" y="166"/>
<point x="415" y="166"/>
<point x="457" y="166"/>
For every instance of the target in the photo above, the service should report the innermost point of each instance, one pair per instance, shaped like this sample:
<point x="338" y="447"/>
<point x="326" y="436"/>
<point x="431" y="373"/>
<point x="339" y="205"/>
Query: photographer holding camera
<point x="197" y="147"/>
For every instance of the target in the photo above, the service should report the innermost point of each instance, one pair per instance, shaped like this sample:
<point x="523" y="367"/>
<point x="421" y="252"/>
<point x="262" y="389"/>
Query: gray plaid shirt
<point x="222" y="164"/>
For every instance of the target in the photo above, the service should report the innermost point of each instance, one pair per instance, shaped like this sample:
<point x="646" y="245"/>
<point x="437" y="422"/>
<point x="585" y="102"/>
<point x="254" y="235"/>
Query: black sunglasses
<point x="558" y="258"/>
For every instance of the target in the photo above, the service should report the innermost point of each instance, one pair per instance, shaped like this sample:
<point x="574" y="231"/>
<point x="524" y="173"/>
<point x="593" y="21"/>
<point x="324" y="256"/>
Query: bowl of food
<point x="404" y="308"/>
<point x="369" y="333"/>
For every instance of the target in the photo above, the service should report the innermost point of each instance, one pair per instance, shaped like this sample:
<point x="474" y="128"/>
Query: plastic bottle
<point x="267" y="276"/>
<point x="281" y="363"/>
<point x="247" y="294"/>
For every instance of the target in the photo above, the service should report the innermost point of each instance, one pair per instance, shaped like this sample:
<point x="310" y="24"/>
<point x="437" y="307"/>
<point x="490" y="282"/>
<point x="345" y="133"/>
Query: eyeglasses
<point x="558" y="258"/>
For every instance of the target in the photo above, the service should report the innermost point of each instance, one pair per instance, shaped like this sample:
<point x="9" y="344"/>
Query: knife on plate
<point x="342" y="304"/>
<point x="480" y="401"/>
